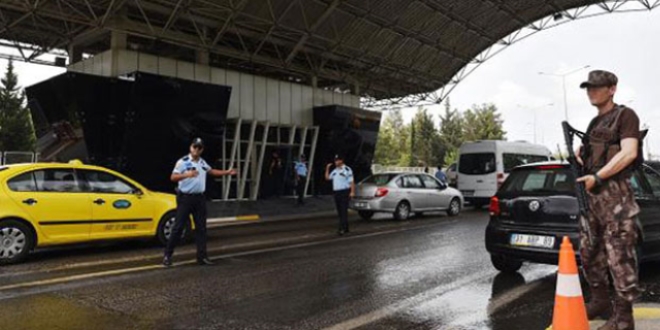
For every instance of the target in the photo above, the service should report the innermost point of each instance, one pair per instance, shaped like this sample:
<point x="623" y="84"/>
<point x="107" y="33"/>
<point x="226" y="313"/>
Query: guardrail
<point x="17" y="157"/>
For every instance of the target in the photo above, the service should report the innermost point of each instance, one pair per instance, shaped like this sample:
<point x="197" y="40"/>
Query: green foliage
<point x="16" y="129"/>
<point x="422" y="143"/>
<point x="483" y="123"/>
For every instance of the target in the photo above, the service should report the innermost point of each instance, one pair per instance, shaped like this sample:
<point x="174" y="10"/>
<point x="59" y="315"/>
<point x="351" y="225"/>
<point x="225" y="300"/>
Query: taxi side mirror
<point x="138" y="192"/>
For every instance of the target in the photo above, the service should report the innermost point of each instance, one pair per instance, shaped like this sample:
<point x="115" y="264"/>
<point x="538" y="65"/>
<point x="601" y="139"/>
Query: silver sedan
<point x="403" y="194"/>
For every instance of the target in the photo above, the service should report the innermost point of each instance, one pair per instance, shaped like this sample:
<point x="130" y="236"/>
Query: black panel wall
<point x="138" y="126"/>
<point x="351" y="132"/>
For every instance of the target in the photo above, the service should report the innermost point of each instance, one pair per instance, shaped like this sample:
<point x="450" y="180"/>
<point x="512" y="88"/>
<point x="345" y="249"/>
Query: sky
<point x="624" y="43"/>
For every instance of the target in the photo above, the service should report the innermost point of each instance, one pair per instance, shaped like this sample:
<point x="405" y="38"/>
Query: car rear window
<point x="477" y="164"/>
<point x="513" y="160"/>
<point x="379" y="179"/>
<point x="540" y="179"/>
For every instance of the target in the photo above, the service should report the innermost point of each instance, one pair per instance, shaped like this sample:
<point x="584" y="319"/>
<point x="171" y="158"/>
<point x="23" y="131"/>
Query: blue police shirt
<point x="341" y="177"/>
<point x="196" y="185"/>
<point x="301" y="168"/>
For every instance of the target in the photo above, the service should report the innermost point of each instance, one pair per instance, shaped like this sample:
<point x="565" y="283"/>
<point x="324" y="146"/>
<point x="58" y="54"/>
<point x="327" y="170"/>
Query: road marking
<point x="253" y="217"/>
<point x="407" y="303"/>
<point x="123" y="271"/>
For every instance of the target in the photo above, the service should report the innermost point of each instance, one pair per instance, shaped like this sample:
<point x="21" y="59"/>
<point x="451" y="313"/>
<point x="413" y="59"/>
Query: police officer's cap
<point x="600" y="78"/>
<point x="198" y="142"/>
<point x="339" y="157"/>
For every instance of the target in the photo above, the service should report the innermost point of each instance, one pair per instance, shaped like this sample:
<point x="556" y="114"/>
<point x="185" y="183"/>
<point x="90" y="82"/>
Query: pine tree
<point x="16" y="129"/>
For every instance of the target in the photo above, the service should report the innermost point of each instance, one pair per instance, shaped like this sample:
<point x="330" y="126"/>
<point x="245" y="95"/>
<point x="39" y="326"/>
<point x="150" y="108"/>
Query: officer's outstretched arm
<point x="621" y="160"/>
<point x="217" y="173"/>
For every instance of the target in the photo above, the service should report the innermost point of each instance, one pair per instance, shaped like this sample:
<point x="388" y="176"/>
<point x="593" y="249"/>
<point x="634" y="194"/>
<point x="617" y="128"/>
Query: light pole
<point x="563" y="82"/>
<point x="534" y="112"/>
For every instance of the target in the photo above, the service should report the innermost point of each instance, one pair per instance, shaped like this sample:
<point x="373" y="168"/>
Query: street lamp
<point x="534" y="112"/>
<point x="563" y="81"/>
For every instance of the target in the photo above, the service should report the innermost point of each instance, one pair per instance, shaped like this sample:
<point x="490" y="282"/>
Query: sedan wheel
<point x="454" y="207"/>
<point x="402" y="211"/>
<point x="16" y="241"/>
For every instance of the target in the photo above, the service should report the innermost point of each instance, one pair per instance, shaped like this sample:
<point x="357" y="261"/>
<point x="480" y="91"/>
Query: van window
<point x="477" y="164"/>
<point x="512" y="160"/>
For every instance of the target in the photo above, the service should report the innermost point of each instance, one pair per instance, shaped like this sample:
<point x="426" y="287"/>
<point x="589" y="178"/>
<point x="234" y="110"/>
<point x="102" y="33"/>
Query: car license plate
<point x="546" y="242"/>
<point x="467" y="192"/>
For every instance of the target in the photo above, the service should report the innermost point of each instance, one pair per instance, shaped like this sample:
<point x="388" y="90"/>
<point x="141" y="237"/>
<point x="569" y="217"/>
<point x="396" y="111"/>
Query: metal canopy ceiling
<point x="390" y="49"/>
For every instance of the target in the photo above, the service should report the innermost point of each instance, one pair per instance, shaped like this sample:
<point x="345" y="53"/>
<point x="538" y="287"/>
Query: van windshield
<point x="477" y="164"/>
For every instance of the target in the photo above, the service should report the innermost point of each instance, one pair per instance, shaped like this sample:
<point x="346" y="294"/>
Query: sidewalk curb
<point x="647" y="317"/>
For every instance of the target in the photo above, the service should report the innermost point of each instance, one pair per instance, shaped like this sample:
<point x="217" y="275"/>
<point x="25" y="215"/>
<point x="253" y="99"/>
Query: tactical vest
<point x="602" y="142"/>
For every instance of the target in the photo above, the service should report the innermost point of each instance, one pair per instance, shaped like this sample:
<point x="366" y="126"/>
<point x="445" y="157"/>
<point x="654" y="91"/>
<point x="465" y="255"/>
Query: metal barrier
<point x="17" y="157"/>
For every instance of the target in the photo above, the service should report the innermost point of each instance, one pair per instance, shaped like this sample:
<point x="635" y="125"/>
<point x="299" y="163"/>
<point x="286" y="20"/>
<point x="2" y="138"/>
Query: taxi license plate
<point x="546" y="242"/>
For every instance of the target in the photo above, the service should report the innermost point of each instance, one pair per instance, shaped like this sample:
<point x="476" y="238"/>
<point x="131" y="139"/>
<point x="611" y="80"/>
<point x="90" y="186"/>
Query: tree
<point x="427" y="148"/>
<point x="393" y="147"/>
<point x="483" y="123"/>
<point x="451" y="133"/>
<point x="16" y="129"/>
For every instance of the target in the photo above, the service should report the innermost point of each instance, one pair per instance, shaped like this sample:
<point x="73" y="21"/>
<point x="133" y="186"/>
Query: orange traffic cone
<point x="570" y="312"/>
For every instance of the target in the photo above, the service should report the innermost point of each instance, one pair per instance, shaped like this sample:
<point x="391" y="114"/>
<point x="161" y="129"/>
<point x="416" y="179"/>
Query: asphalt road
<point x="427" y="273"/>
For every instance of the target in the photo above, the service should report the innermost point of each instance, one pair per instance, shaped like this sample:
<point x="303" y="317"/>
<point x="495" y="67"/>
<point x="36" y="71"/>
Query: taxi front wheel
<point x="16" y="241"/>
<point x="166" y="225"/>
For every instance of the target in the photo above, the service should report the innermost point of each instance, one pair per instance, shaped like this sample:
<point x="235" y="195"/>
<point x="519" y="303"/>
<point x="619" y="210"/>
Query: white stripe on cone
<point x="568" y="285"/>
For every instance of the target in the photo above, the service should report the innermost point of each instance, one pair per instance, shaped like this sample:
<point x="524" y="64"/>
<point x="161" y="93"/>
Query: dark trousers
<point x="185" y="206"/>
<point x="300" y="188"/>
<point x="342" y="198"/>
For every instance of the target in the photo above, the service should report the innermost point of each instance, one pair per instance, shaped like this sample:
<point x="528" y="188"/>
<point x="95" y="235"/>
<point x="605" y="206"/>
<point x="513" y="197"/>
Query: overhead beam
<point x="328" y="11"/>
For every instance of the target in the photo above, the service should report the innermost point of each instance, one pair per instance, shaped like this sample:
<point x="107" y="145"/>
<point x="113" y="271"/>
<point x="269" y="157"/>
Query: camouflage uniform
<point x="612" y="222"/>
<point x="612" y="217"/>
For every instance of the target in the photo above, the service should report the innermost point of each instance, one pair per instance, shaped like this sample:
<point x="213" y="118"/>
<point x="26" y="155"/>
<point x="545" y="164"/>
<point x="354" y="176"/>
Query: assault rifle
<point x="578" y="171"/>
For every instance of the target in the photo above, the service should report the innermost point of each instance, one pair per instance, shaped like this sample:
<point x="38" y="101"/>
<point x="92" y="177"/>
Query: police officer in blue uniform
<point x="343" y="186"/>
<point x="190" y="174"/>
<point x="300" y="168"/>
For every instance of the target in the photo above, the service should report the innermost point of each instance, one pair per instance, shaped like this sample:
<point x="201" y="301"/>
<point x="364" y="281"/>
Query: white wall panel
<point x="167" y="67"/>
<point x="273" y="100"/>
<point x="202" y="73"/>
<point x="148" y="63"/>
<point x="252" y="97"/>
<point x="234" y="80"/>
<point x="107" y="64"/>
<point x="127" y="62"/>
<point x="185" y="70"/>
<point x="308" y="105"/>
<point x="219" y="76"/>
<point x="260" y="110"/>
<point x="247" y="96"/>
<point x="296" y="104"/>
<point x="327" y="97"/>
<point x="285" y="103"/>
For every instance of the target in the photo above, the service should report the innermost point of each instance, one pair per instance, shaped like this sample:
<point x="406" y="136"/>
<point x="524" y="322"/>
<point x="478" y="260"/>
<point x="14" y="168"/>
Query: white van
<point x="483" y="166"/>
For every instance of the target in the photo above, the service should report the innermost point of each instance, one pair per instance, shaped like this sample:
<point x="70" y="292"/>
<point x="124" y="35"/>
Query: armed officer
<point x="190" y="174"/>
<point x="609" y="152"/>
<point x="343" y="187"/>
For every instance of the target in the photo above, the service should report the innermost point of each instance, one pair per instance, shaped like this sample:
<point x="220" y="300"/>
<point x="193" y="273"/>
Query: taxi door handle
<point x="30" y="201"/>
<point x="99" y="202"/>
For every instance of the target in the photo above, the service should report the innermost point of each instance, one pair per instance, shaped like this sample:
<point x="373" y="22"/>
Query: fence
<point x="17" y="157"/>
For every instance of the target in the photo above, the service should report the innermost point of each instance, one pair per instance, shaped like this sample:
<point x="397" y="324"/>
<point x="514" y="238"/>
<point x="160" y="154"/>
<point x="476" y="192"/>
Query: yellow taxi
<point x="53" y="203"/>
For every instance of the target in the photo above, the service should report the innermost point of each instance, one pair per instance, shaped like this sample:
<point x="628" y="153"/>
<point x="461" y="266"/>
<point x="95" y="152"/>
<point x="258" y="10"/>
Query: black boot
<point x="600" y="305"/>
<point x="622" y="317"/>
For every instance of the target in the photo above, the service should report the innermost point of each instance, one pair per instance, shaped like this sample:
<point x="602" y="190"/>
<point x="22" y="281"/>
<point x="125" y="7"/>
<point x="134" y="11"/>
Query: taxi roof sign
<point x="75" y="162"/>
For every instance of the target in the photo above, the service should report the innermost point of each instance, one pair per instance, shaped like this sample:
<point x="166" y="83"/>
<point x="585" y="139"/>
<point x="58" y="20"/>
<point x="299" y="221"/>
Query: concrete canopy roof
<point x="387" y="48"/>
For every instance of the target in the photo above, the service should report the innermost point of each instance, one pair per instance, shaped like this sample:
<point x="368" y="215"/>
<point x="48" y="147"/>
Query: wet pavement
<point x="427" y="273"/>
